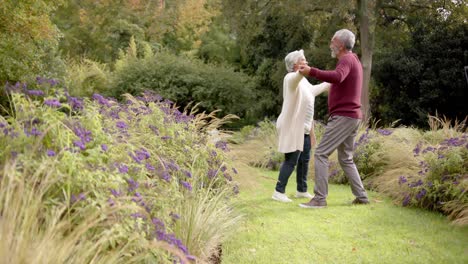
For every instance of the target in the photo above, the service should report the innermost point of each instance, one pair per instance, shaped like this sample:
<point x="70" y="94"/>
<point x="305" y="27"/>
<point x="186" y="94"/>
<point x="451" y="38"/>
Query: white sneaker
<point x="281" y="197"/>
<point x="303" y="195"/>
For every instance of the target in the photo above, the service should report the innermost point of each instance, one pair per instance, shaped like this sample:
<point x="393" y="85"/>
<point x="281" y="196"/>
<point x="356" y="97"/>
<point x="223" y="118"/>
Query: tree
<point x="366" y="14"/>
<point x="426" y="75"/>
<point x="28" y="40"/>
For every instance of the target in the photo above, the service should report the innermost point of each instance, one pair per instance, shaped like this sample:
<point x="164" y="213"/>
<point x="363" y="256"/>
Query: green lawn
<point x="381" y="232"/>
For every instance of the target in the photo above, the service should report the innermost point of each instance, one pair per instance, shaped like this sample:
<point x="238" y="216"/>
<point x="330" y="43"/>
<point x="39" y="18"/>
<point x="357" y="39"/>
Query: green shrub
<point x="369" y="156"/>
<point x="186" y="81"/>
<point x="143" y="155"/>
<point x="442" y="180"/>
<point x="242" y="135"/>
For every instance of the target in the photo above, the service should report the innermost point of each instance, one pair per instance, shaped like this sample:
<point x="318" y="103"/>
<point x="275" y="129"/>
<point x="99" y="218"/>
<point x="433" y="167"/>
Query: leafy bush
<point x="186" y="81"/>
<point x="442" y="180"/>
<point x="28" y="40"/>
<point x="242" y="135"/>
<point x="143" y="155"/>
<point x="369" y="157"/>
<point x="87" y="77"/>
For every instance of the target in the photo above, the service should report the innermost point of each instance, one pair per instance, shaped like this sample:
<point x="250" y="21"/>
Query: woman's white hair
<point x="292" y="58"/>
<point x="346" y="37"/>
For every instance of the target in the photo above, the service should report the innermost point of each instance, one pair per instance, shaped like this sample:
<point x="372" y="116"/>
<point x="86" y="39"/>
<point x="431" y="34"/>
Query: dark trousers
<point x="301" y="159"/>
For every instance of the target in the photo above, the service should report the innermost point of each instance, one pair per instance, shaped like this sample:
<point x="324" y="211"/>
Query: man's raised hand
<point x="304" y="70"/>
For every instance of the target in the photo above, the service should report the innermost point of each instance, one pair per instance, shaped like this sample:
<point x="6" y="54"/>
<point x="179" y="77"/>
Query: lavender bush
<point x="142" y="154"/>
<point x="442" y="179"/>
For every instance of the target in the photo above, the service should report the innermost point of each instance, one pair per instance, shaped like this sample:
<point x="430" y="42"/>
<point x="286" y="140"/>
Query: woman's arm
<point x="293" y="79"/>
<point x="320" y="88"/>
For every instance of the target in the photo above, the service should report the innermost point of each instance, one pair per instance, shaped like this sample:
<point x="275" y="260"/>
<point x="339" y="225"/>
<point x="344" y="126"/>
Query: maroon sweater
<point x="344" y="98"/>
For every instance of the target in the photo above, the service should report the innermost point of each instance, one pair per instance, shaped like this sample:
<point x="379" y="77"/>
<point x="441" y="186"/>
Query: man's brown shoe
<point x="314" y="204"/>
<point x="358" y="201"/>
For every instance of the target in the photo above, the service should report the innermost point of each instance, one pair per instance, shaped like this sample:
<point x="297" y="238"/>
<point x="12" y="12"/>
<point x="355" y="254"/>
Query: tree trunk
<point x="366" y="28"/>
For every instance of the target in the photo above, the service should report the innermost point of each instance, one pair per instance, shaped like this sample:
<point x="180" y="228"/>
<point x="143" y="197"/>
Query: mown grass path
<point x="381" y="232"/>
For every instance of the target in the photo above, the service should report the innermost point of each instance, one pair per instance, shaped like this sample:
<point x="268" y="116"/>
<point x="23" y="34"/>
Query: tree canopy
<point x="413" y="52"/>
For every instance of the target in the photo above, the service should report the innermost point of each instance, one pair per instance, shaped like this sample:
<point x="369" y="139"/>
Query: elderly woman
<point x="295" y="126"/>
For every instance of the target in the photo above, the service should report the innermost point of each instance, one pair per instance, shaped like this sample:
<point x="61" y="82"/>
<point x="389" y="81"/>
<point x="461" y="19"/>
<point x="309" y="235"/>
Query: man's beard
<point x="333" y="52"/>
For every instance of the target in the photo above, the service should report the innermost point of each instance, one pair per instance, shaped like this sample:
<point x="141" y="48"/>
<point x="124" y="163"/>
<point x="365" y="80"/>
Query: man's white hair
<point x="292" y="58"/>
<point x="346" y="37"/>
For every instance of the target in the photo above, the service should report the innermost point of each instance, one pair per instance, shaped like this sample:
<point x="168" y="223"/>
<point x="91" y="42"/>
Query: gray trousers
<point x="339" y="134"/>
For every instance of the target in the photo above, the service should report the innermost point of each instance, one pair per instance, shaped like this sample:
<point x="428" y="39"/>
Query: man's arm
<point x="335" y="76"/>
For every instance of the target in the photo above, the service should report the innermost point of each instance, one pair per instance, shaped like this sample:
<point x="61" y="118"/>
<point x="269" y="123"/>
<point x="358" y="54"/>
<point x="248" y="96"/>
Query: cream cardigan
<point x="290" y="124"/>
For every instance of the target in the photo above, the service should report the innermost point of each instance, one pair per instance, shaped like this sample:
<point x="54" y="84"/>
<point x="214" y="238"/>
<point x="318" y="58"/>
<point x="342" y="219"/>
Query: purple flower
<point x="104" y="147"/>
<point x="227" y="176"/>
<point x="116" y="193"/>
<point x="79" y="144"/>
<point x="454" y="142"/>
<point x="101" y="100"/>
<point x="35" y="92"/>
<point x="121" y="125"/>
<point x="34" y="132"/>
<point x="151" y="96"/>
<point x="384" y="132"/>
<point x="406" y="200"/>
<point x="75" y="103"/>
<point x="50" y="153"/>
<point x="234" y="170"/>
<point x="53" y="103"/>
<point x="80" y="197"/>
<point x="429" y="149"/>
<point x="421" y="194"/>
<point x="186" y="185"/>
<point x="417" y="149"/>
<point x="53" y="82"/>
<point x="165" y="175"/>
<point x="171" y="165"/>
<point x="123" y="168"/>
<point x="415" y="184"/>
<point x="174" y="216"/>
<point x="149" y="167"/>
<point x="143" y="154"/>
<point x="222" y="145"/>
<point x="111" y="202"/>
<point x="235" y="189"/>
<point x="402" y="180"/>
<point x="154" y="129"/>
<point x="83" y="134"/>
<point x="40" y="80"/>
<point x="188" y="174"/>
<point x="137" y="215"/>
<point x="166" y="137"/>
<point x="223" y="168"/>
<point x="158" y="224"/>
<point x="212" y="173"/>
<point x="132" y="185"/>
<point x="137" y="198"/>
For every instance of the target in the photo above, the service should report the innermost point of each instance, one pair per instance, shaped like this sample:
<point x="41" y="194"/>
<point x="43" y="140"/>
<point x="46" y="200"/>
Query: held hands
<point x="304" y="69"/>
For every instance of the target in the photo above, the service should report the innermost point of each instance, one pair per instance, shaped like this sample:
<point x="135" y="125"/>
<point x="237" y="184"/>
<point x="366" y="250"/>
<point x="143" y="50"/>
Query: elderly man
<point x="295" y="126"/>
<point x="344" y="107"/>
